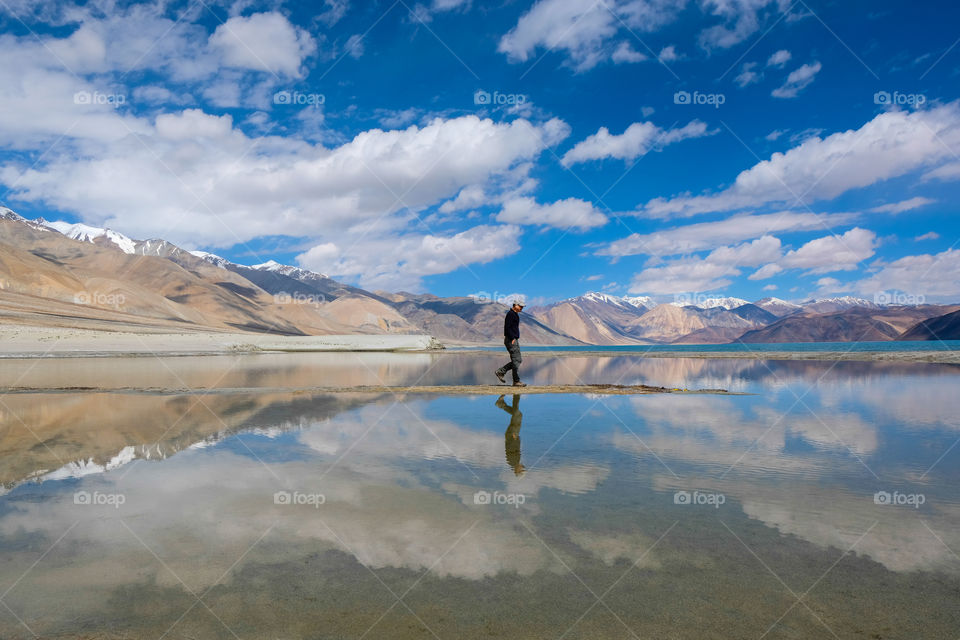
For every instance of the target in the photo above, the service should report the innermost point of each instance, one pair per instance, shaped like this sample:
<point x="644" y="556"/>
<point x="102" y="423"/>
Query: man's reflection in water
<point x="511" y="439"/>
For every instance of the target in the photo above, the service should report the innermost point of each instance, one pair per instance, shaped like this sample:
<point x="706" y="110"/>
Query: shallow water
<point x="292" y="515"/>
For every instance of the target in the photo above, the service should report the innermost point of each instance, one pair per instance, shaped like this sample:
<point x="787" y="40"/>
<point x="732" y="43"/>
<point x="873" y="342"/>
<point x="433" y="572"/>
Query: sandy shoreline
<point x="19" y="341"/>
<point x="50" y="342"/>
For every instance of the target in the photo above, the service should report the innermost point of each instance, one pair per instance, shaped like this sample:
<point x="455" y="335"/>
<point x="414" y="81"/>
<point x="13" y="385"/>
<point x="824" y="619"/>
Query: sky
<point x="748" y="148"/>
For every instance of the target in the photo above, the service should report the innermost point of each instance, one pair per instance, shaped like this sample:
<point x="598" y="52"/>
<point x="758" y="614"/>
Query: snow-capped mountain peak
<point x="642" y="303"/>
<point x="86" y="233"/>
<point x="9" y="214"/>
<point x="270" y="265"/>
<point x="596" y="296"/>
<point x="288" y="270"/>
<point x="852" y="301"/>
<point x="777" y="307"/>
<point x="212" y="258"/>
<point x="777" y="301"/>
<point x="726" y="302"/>
<point x="843" y="302"/>
<point x="838" y="304"/>
<point x="645" y="302"/>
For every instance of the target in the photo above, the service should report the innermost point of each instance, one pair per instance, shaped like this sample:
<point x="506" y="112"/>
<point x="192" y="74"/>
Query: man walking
<point x="511" y="340"/>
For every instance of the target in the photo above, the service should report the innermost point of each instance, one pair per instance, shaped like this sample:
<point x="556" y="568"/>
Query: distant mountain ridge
<point x="207" y="291"/>
<point x="945" y="327"/>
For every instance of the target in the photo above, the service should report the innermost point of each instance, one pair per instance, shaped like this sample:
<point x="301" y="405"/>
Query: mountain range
<point x="61" y="274"/>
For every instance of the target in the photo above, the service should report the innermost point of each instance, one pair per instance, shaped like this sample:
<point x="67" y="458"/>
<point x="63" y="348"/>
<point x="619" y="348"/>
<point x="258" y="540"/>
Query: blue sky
<point x="709" y="147"/>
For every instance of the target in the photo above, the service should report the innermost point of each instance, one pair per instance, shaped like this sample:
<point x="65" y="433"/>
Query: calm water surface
<point x="824" y="504"/>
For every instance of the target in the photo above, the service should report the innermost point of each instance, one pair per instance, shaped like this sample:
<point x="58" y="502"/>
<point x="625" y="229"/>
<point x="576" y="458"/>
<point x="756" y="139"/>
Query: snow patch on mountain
<point x="86" y="233"/>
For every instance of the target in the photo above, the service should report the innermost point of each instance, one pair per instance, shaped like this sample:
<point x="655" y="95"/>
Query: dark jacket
<point x="511" y="325"/>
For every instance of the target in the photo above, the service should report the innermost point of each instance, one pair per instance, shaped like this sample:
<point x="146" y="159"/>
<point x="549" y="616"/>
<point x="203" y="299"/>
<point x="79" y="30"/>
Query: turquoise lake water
<point x="742" y="347"/>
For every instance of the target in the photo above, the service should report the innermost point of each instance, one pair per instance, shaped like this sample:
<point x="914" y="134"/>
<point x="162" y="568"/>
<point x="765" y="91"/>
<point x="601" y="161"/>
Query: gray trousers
<point x="513" y="348"/>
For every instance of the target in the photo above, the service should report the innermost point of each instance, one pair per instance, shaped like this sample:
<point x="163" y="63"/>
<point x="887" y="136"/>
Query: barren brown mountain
<point x="465" y="320"/>
<point x="593" y="319"/>
<point x="45" y="275"/>
<point x="666" y="323"/>
<point x="945" y="327"/>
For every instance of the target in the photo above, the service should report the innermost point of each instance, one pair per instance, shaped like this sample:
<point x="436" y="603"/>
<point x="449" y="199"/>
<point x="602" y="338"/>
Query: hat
<point x="519" y="303"/>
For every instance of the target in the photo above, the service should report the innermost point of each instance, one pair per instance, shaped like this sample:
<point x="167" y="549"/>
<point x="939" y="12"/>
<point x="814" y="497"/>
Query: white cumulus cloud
<point x="931" y="275"/>
<point x="401" y="263"/>
<point x="582" y="30"/>
<point x="571" y="212"/>
<point x="263" y="42"/>
<point x="833" y="253"/>
<point x="637" y="140"/>
<point x="705" y="274"/>
<point x="892" y="144"/>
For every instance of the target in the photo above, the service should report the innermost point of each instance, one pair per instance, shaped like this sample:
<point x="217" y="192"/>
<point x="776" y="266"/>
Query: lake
<point x="185" y="503"/>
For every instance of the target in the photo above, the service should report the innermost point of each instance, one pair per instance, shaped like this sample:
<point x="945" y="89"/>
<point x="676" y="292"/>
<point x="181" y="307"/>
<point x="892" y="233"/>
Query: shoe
<point x="519" y="384"/>
<point x="500" y="376"/>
